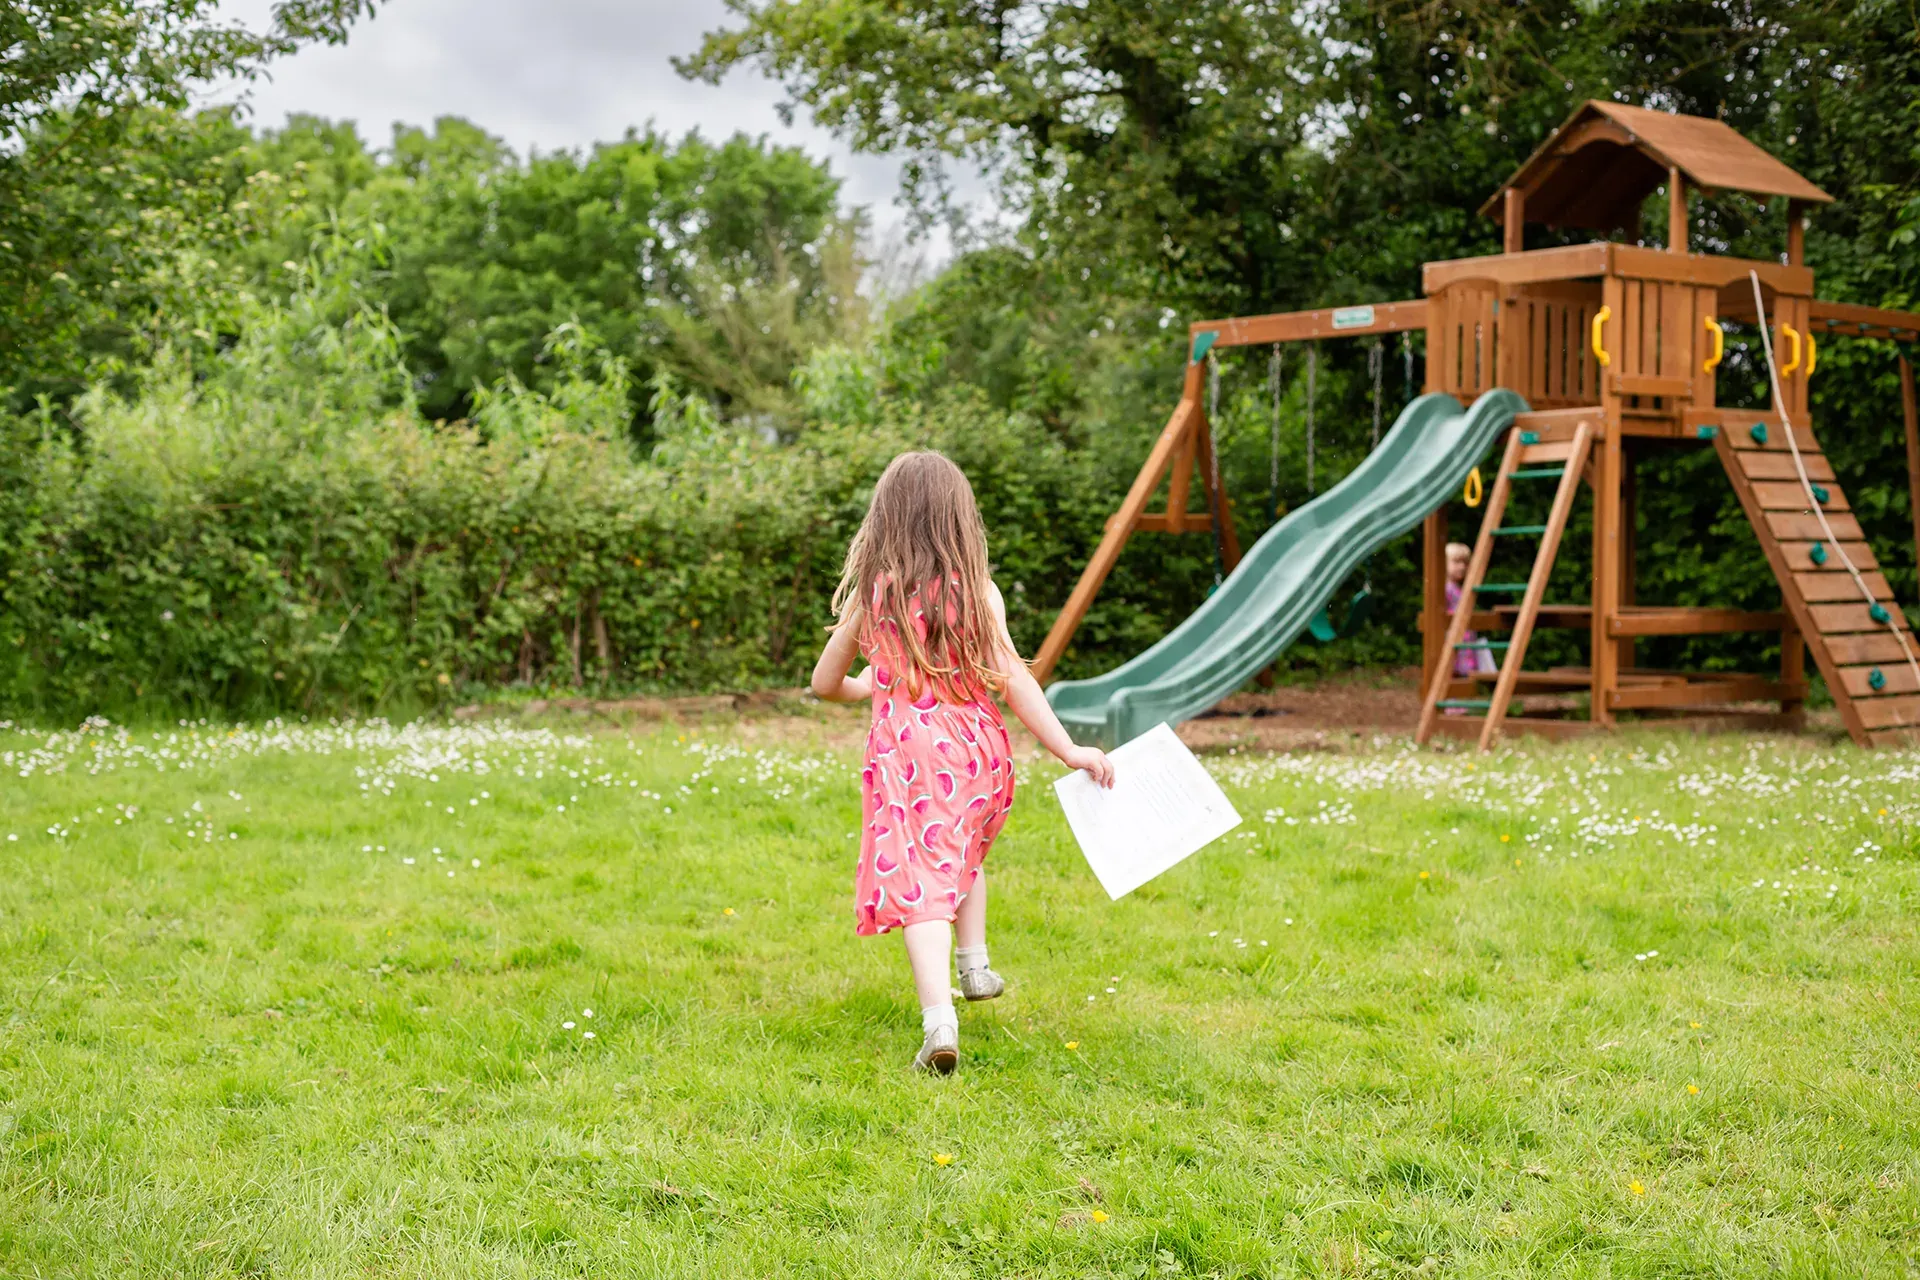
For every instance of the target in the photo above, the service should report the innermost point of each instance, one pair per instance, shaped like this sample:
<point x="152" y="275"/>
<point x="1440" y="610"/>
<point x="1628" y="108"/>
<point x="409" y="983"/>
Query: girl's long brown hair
<point x="923" y="534"/>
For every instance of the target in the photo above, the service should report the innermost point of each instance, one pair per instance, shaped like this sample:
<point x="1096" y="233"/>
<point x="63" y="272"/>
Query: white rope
<point x="1806" y="484"/>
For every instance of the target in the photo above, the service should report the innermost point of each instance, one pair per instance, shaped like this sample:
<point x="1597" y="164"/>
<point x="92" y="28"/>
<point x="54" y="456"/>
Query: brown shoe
<point x="940" y="1052"/>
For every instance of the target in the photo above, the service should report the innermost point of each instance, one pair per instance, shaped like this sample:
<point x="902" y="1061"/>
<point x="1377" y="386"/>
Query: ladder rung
<point x="1483" y="704"/>
<point x="1519" y="529"/>
<point x="1501" y="586"/>
<point x="1483" y="644"/>
<point x="1537" y="473"/>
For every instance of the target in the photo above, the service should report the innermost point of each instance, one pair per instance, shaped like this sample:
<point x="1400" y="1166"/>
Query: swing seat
<point x="1359" y="611"/>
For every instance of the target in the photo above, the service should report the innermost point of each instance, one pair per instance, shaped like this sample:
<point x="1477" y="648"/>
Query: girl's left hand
<point x="1093" y="760"/>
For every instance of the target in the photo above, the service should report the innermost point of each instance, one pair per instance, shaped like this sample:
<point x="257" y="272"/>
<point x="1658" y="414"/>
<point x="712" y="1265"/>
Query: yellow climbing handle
<point x="1719" y="343"/>
<point x="1813" y="353"/>
<point x="1600" y="317"/>
<point x="1474" y="490"/>
<point x="1792" y="335"/>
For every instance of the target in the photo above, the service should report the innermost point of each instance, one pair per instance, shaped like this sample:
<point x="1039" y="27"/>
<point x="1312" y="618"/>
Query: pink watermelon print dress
<point x="936" y="789"/>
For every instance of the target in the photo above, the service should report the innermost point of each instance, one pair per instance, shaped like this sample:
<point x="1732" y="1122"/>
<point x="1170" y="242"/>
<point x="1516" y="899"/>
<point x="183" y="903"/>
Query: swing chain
<point x="1376" y="366"/>
<point x="1313" y="370"/>
<point x="1214" y="496"/>
<point x="1273" y="474"/>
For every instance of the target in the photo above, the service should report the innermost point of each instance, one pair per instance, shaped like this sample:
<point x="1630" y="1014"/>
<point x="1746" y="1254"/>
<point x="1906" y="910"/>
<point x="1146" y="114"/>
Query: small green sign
<point x="1352" y="317"/>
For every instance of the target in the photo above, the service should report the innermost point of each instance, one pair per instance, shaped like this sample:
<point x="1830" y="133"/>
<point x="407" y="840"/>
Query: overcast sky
<point x="547" y="74"/>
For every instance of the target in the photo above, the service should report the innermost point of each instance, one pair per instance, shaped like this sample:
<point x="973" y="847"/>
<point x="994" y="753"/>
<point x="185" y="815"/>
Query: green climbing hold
<point x="1707" y="432"/>
<point x="1876" y="679"/>
<point x="1820" y="494"/>
<point x="1529" y="437"/>
<point x="1203" y="344"/>
<point x="1818" y="553"/>
<point x="1879" y="613"/>
<point x="1758" y="431"/>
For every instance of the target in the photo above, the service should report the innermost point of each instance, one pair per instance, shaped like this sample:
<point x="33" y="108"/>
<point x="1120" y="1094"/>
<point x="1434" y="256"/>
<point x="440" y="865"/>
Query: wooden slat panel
<point x="1894" y="738"/>
<point x="1628" y="330"/>
<point x="1741" y="438"/>
<point x="1887" y="713"/>
<point x="1790" y="527"/>
<point x="1648" y="384"/>
<point x="1822" y="587"/>
<point x="1696" y="693"/>
<point x="1759" y="465"/>
<point x="1810" y="622"/>
<point x="1787" y="495"/>
<point x="1707" y="269"/>
<point x="1899" y="679"/>
<point x="1534" y="454"/>
<point x="1800" y="556"/>
<point x="1564" y="263"/>
<point x="1835" y="618"/>
<point x="1678" y="331"/>
<point x="1693" y="622"/>
<point x="1882" y="648"/>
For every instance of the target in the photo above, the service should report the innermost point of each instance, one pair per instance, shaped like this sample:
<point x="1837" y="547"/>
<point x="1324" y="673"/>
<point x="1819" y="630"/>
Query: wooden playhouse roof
<point x="1594" y="170"/>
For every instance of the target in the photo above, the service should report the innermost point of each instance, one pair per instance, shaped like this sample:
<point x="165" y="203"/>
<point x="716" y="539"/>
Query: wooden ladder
<point x="1526" y="459"/>
<point x="1853" y="640"/>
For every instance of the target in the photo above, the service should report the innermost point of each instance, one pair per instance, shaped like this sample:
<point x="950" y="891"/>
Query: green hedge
<point x="282" y="530"/>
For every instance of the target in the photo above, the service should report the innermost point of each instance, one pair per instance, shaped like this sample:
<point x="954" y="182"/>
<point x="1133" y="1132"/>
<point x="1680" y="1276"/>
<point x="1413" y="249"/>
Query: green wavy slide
<point x="1290" y="574"/>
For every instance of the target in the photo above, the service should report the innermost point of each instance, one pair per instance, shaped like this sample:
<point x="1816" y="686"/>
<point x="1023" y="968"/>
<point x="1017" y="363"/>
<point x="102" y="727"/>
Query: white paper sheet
<point x="1164" y="807"/>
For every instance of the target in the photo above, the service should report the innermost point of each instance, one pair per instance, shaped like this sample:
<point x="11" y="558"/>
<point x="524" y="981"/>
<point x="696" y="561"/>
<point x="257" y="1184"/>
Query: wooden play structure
<point x="1614" y="348"/>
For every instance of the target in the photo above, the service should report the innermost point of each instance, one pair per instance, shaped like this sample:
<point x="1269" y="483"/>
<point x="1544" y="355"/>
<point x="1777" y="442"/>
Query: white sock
<point x="939" y="1015"/>
<point x="970" y="958"/>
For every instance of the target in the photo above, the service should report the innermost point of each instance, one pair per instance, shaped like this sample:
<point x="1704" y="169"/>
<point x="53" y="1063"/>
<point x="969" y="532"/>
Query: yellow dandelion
<point x="1636" y="1188"/>
<point x="1516" y="862"/>
<point x="1424" y="875"/>
<point x="1883" y="813"/>
<point x="1073" y="1044"/>
<point x="942" y="1159"/>
<point x="1504" y="837"/>
<point x="1694" y="1025"/>
<point x="1098" y="1215"/>
<point x="727" y="912"/>
<point x="1693" y="1089"/>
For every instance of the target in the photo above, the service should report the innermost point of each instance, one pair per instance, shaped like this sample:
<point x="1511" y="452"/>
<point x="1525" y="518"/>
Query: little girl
<point x="1466" y="662"/>
<point x="916" y="601"/>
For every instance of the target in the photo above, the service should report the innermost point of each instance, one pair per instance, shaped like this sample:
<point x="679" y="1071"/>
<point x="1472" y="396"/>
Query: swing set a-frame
<point x="1614" y="347"/>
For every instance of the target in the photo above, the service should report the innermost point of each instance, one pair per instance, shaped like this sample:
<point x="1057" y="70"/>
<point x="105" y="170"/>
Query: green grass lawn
<point x="312" y="1000"/>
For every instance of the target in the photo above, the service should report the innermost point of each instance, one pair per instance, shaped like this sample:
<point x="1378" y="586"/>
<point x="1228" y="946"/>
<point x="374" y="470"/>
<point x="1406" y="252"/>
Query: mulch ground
<point x="1330" y="715"/>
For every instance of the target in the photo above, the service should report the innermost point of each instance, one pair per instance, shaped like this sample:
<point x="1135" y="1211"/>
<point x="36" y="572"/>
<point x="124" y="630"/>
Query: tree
<point x="88" y="105"/>
<point x="721" y="263"/>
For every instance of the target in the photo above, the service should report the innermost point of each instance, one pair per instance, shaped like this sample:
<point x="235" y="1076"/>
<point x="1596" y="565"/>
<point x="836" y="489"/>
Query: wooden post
<point x="1513" y="238"/>
<point x="1912" y="414"/>
<point x="1606" y="521"/>
<point x="1676" y="211"/>
<point x="1629" y="544"/>
<point x="1433" y="596"/>
<point x="1186" y="415"/>
<point x="1796" y="232"/>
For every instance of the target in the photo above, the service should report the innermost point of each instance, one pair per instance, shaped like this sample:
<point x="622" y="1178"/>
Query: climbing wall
<point x="1853" y="639"/>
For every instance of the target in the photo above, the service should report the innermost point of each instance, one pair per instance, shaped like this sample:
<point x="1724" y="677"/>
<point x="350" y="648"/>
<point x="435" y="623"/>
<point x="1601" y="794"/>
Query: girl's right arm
<point x="830" y="682"/>
<point x="1026" y="700"/>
